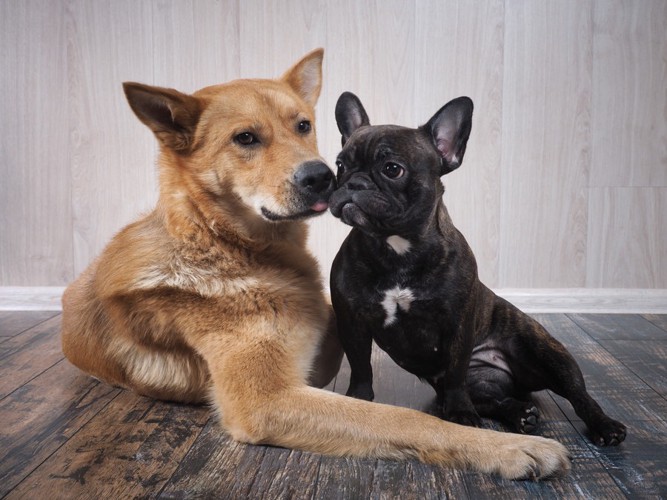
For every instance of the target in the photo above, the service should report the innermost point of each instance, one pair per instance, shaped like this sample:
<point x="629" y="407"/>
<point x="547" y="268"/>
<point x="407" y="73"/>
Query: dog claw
<point x="528" y="424"/>
<point x="609" y="433"/>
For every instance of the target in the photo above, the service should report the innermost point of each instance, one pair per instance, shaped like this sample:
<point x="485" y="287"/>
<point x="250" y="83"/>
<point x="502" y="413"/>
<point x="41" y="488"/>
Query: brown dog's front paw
<point x="529" y="458"/>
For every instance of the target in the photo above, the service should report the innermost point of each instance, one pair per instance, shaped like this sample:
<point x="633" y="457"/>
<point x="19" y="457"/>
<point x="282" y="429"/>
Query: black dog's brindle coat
<point x="406" y="277"/>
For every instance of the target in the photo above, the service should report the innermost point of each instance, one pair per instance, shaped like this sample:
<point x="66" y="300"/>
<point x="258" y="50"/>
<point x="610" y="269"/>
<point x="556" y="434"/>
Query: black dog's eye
<point x="392" y="170"/>
<point x="341" y="167"/>
<point x="246" y="139"/>
<point x="304" y="127"/>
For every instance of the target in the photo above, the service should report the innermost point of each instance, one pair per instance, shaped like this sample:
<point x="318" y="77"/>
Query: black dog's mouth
<point x="365" y="209"/>
<point x="339" y="200"/>
<point x="353" y="216"/>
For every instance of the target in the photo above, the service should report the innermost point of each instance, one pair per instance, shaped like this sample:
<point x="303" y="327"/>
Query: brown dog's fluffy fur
<point x="207" y="298"/>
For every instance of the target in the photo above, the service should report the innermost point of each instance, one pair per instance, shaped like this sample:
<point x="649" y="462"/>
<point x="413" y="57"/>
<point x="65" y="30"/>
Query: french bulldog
<point x="406" y="278"/>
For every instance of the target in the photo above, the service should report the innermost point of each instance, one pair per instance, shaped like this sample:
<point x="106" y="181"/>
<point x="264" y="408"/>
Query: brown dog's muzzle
<point x="315" y="178"/>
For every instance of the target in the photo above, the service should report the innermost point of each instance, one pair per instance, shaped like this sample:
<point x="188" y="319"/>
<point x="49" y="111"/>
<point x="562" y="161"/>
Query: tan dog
<point x="214" y="294"/>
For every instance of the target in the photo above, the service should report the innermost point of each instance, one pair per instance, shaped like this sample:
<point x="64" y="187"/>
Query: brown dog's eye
<point x="246" y="139"/>
<point x="304" y="127"/>
<point x="392" y="170"/>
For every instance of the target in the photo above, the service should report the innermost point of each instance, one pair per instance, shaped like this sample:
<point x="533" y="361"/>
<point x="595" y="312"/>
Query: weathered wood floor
<point x="65" y="435"/>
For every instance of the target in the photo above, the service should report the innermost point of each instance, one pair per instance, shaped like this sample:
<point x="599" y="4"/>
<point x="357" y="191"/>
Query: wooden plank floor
<point x="66" y="435"/>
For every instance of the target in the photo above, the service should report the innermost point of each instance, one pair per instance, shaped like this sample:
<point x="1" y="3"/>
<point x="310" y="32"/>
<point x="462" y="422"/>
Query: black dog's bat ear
<point x="350" y="115"/>
<point x="449" y="129"/>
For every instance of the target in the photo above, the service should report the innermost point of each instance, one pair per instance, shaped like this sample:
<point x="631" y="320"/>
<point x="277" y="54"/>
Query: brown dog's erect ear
<point x="305" y="77"/>
<point x="350" y="115"/>
<point x="450" y="128"/>
<point x="170" y="114"/>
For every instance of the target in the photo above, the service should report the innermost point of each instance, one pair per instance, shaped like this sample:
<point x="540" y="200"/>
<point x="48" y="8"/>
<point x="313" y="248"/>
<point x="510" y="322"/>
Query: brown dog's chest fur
<point x="273" y="275"/>
<point x="158" y="290"/>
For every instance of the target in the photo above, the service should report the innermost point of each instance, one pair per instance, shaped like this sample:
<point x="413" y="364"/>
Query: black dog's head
<point x="389" y="176"/>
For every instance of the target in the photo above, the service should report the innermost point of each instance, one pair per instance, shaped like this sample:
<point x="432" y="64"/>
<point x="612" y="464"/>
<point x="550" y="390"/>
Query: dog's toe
<point x="528" y="420"/>
<point x="608" y="433"/>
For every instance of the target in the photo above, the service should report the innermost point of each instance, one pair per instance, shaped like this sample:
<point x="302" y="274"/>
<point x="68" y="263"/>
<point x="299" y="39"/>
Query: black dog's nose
<point x="360" y="182"/>
<point x="314" y="176"/>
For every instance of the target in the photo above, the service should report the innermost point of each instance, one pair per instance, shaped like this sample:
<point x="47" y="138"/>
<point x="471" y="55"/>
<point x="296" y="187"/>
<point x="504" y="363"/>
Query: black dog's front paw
<point x="608" y="432"/>
<point x="361" y="391"/>
<point x="463" y="417"/>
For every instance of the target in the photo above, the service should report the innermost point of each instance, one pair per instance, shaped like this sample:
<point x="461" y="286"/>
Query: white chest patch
<point x="398" y="244"/>
<point x="393" y="299"/>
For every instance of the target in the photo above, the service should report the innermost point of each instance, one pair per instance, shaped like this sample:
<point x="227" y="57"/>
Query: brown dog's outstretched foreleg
<point x="264" y="403"/>
<point x="329" y="356"/>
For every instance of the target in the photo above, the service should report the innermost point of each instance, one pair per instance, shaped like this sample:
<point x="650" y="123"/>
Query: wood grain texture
<point x="459" y="51"/>
<point x="629" y="75"/>
<point x="41" y="416"/>
<point x="627" y="225"/>
<point x="618" y="327"/>
<point x="546" y="143"/>
<point x="66" y="435"/>
<point x="137" y="439"/>
<point x="14" y="322"/>
<point x="113" y="154"/>
<point x="634" y="466"/>
<point x="17" y="354"/>
<point x="195" y="43"/>
<point x="646" y="358"/>
<point x="659" y="320"/>
<point x="568" y="150"/>
<point x="35" y="185"/>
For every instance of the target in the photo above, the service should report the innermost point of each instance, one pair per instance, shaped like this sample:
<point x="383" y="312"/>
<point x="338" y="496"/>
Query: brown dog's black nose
<point x="314" y="176"/>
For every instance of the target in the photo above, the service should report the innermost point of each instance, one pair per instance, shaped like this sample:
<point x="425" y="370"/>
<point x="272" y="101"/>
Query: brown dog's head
<point x="249" y="142"/>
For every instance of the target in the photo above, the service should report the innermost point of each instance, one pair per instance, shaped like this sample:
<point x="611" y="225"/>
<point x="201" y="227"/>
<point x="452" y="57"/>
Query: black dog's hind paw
<point x="608" y="432"/>
<point x="528" y="419"/>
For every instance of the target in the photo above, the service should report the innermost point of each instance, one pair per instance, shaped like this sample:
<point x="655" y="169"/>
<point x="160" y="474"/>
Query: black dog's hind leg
<point x="492" y="392"/>
<point x="541" y="362"/>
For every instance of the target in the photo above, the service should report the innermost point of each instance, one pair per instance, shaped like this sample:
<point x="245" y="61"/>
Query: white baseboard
<point x="587" y="300"/>
<point x="31" y="298"/>
<point x="575" y="300"/>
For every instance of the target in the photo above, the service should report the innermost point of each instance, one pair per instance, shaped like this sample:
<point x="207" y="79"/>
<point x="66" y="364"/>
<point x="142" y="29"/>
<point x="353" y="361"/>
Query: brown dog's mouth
<point x="315" y="209"/>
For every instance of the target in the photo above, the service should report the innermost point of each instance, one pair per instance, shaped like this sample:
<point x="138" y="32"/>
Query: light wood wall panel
<point x="196" y="44"/>
<point x="35" y="200"/>
<point x="564" y="176"/>
<point x="626" y="243"/>
<point x="629" y="115"/>
<point x="546" y="143"/>
<point x="459" y="51"/>
<point x="113" y="177"/>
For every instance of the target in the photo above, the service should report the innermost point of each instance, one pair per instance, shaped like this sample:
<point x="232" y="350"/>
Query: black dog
<point x="406" y="277"/>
